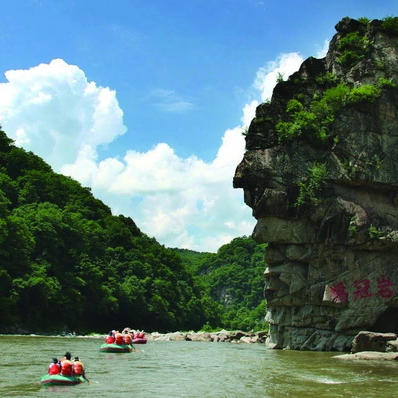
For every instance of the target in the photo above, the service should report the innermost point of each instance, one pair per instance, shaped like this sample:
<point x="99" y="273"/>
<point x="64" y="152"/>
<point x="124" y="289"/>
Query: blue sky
<point x="145" y="101"/>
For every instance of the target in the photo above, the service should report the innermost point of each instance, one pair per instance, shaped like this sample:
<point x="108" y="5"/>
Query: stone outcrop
<point x="373" y="346"/>
<point x="222" y="336"/>
<point x="320" y="172"/>
<point x="376" y="342"/>
<point x="369" y="356"/>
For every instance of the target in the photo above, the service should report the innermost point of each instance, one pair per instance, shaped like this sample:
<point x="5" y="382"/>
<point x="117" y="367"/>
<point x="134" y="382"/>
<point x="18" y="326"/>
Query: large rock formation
<point x="321" y="175"/>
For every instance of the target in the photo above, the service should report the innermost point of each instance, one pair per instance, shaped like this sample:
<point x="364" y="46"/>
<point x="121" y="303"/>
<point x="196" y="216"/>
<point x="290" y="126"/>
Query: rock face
<point x="321" y="175"/>
<point x="375" y="342"/>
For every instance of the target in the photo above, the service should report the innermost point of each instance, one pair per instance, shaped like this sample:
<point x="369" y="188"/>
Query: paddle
<point x="84" y="377"/>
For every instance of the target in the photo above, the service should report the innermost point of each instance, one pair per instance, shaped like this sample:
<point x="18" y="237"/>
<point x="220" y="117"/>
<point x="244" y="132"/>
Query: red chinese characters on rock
<point x="385" y="287"/>
<point x="338" y="293"/>
<point x="363" y="289"/>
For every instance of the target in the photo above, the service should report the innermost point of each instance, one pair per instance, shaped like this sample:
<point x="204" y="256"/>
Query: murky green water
<point x="189" y="369"/>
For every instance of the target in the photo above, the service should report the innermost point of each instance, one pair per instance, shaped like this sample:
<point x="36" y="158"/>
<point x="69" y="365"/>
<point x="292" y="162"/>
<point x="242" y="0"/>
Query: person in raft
<point x="78" y="368"/>
<point x="110" y="339"/>
<point x="127" y="338"/>
<point x="119" y="338"/>
<point x="54" y="367"/>
<point x="67" y="365"/>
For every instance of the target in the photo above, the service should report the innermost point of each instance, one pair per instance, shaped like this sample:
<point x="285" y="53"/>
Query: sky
<point x="145" y="101"/>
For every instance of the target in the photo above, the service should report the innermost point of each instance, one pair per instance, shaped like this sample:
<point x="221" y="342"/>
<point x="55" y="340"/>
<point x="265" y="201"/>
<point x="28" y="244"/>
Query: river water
<point x="167" y="369"/>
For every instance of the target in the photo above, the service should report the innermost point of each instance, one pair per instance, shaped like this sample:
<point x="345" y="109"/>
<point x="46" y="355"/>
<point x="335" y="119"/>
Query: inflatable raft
<point x="139" y="337"/>
<point x="139" y="340"/>
<point x="61" y="380"/>
<point x="116" y="348"/>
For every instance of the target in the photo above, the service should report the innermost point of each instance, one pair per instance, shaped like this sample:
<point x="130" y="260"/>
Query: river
<point x="169" y="369"/>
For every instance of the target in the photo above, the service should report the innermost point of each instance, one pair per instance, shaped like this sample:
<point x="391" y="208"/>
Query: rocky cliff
<point x="320" y="172"/>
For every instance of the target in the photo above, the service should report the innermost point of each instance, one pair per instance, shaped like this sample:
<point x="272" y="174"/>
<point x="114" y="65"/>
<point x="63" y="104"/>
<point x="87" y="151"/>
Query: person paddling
<point x="67" y="365"/>
<point x="128" y="340"/>
<point x="119" y="338"/>
<point x="78" y="368"/>
<point x="110" y="339"/>
<point x="54" y="367"/>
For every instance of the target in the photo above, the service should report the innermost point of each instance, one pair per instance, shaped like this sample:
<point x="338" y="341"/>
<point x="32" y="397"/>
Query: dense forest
<point x="231" y="283"/>
<point x="67" y="263"/>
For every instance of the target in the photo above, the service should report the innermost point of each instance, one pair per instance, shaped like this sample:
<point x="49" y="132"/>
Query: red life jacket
<point x="78" y="368"/>
<point x="110" y="339"/>
<point x="54" y="369"/>
<point x="119" y="338"/>
<point x="128" y="339"/>
<point x="66" y="368"/>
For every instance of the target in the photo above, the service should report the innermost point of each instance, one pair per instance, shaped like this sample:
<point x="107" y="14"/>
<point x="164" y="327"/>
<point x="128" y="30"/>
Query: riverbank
<point x="222" y="336"/>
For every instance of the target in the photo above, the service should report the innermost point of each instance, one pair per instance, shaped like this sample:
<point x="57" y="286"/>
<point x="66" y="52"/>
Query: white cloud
<point x="266" y="79"/>
<point x="322" y="51"/>
<point x="284" y="65"/>
<point x="183" y="202"/>
<point x="55" y="112"/>
<point x="170" y="101"/>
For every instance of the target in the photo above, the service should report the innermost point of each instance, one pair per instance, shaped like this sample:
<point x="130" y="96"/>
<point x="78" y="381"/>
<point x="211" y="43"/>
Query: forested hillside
<point x="232" y="283"/>
<point x="67" y="263"/>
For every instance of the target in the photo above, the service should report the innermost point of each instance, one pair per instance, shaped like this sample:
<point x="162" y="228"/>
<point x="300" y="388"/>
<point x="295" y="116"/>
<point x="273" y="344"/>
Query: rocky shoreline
<point x="222" y="336"/>
<point x="373" y="346"/>
<point x="365" y="346"/>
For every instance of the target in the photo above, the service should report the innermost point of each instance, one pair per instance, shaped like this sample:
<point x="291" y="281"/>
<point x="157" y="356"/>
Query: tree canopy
<point x="68" y="263"/>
